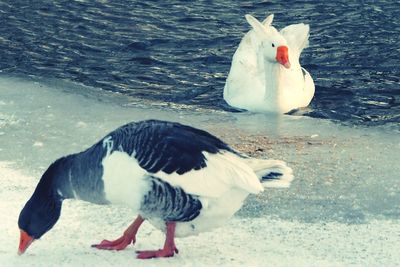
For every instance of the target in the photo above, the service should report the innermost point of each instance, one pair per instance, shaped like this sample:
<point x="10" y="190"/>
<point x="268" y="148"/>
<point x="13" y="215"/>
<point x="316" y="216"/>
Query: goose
<point x="266" y="75"/>
<point x="181" y="179"/>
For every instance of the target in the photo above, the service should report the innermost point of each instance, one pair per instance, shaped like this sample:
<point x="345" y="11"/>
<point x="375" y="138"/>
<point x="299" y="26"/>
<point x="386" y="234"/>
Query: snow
<point x="242" y="242"/>
<point x="342" y="209"/>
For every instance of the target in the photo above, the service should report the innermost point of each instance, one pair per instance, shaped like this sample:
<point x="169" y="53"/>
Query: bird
<point x="265" y="74"/>
<point x="181" y="179"/>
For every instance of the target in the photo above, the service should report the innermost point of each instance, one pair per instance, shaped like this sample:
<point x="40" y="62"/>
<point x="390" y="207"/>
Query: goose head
<point x="271" y="44"/>
<point x="36" y="218"/>
<point x="41" y="212"/>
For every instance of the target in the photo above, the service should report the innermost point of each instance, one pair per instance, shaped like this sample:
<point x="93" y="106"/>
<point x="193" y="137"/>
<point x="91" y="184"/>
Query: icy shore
<point x="343" y="209"/>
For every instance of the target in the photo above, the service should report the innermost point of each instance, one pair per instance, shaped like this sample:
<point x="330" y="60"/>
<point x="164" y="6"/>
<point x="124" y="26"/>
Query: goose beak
<point x="24" y="242"/>
<point x="282" y="56"/>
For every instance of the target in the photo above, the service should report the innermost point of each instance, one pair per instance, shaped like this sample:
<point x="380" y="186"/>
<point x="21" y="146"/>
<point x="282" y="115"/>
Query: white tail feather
<point x="281" y="173"/>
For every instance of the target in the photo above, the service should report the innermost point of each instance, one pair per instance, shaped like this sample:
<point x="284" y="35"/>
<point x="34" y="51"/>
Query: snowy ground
<point x="243" y="242"/>
<point x="343" y="209"/>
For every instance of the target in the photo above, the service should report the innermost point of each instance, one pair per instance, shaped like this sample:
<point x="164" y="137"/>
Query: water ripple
<point x="181" y="52"/>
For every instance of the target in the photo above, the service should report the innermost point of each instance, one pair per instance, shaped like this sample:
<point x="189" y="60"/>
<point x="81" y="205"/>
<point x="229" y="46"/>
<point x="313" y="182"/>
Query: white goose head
<point x="271" y="43"/>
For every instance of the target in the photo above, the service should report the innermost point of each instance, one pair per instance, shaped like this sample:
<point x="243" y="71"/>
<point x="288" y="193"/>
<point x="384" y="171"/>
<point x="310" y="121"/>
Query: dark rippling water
<point x="180" y="51"/>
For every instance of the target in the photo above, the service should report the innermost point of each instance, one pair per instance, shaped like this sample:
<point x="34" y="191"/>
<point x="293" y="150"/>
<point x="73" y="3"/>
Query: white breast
<point x="125" y="181"/>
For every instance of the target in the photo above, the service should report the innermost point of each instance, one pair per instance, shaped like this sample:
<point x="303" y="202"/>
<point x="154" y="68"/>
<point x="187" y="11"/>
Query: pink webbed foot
<point x="129" y="237"/>
<point x="169" y="246"/>
<point x="118" y="244"/>
<point x="161" y="253"/>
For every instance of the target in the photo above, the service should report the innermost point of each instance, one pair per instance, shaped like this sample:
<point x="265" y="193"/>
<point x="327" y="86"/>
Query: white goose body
<point x="257" y="81"/>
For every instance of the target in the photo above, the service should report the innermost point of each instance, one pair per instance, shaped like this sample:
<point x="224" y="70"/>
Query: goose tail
<point x="272" y="173"/>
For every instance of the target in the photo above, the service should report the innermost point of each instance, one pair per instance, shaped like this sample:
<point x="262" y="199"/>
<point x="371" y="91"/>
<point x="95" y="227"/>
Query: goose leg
<point x="169" y="246"/>
<point x="127" y="238"/>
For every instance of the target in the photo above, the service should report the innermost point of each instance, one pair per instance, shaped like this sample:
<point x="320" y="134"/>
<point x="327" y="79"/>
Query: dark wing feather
<point x="166" y="146"/>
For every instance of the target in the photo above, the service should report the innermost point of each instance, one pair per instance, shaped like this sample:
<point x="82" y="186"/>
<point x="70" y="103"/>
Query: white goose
<point x="266" y="75"/>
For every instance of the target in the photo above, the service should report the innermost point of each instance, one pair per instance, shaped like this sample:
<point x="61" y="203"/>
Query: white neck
<point x="272" y="75"/>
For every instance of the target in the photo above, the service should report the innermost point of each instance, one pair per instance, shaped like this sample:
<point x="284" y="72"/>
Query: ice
<point x="343" y="207"/>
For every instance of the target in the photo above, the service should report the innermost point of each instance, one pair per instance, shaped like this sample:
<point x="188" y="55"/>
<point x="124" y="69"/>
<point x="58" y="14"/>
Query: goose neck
<point x="272" y="75"/>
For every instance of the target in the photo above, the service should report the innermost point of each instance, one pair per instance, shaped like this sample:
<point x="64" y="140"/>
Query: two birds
<point x="181" y="179"/>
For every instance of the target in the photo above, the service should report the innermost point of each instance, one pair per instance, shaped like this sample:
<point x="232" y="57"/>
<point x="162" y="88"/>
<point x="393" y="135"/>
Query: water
<point x="179" y="53"/>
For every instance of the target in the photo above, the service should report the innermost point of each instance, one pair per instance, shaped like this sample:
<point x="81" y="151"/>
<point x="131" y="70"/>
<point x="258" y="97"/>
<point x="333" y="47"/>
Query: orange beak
<point x="282" y="56"/>
<point x="24" y="242"/>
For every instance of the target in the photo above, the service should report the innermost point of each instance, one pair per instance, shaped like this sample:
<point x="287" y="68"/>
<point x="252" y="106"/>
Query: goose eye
<point x="273" y="45"/>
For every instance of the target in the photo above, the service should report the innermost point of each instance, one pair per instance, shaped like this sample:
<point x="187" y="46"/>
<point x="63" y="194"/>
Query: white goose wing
<point x="223" y="171"/>
<point x="297" y="37"/>
<point x="187" y="157"/>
